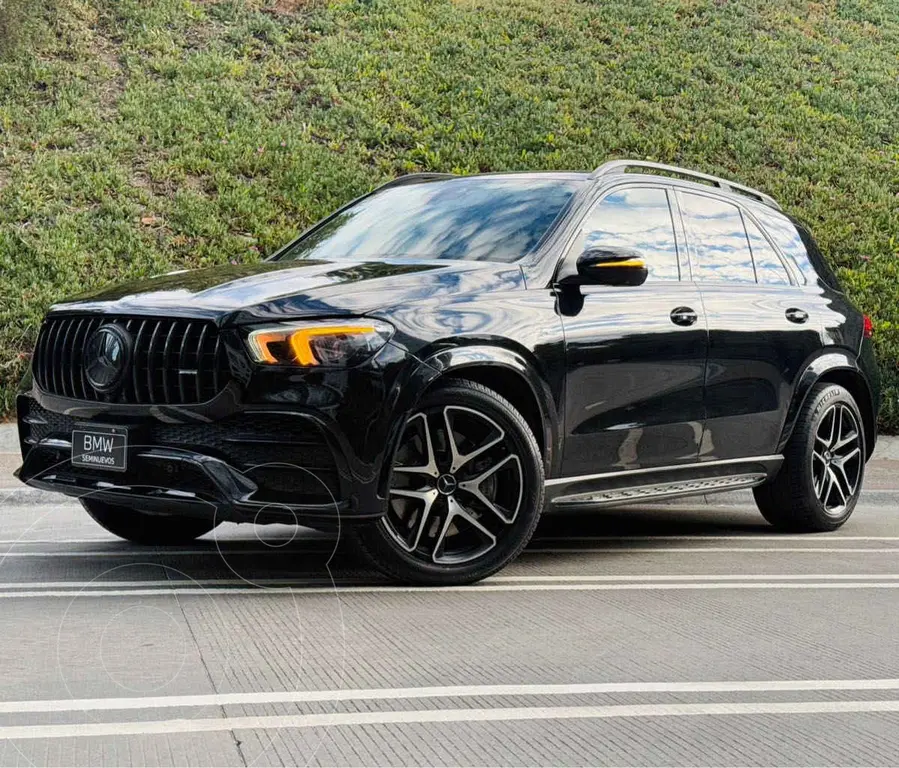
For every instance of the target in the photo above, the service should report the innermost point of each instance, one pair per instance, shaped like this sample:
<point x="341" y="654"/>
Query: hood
<point x="281" y="290"/>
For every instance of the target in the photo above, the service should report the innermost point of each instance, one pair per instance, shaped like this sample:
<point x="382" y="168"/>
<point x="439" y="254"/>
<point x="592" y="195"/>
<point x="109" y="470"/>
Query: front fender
<point x="454" y="362"/>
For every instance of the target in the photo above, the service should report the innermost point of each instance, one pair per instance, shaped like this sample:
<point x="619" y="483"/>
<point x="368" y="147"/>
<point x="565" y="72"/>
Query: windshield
<point x="475" y="219"/>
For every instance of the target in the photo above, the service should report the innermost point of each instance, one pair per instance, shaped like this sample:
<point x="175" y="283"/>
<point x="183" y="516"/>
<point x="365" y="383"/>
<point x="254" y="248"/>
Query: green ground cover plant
<point x="137" y="136"/>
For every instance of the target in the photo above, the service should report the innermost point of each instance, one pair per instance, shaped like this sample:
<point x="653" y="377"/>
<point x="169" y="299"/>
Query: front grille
<point x="173" y="361"/>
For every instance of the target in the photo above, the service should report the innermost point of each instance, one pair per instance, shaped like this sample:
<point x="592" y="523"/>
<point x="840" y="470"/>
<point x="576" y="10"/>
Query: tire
<point x="445" y="505"/>
<point x="142" y="528"/>
<point x="820" y="480"/>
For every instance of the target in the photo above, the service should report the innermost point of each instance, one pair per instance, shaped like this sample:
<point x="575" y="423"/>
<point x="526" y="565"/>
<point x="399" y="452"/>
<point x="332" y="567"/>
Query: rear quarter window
<point x="797" y="243"/>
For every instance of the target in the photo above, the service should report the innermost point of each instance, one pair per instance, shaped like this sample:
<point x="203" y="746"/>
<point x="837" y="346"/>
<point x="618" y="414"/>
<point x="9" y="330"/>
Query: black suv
<point x="440" y="361"/>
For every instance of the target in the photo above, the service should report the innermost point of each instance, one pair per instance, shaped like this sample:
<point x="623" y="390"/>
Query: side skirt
<point x="610" y="488"/>
<point x="659" y="491"/>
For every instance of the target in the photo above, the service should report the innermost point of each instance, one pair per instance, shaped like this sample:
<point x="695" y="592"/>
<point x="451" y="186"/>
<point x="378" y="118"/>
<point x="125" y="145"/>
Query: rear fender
<point x="836" y="363"/>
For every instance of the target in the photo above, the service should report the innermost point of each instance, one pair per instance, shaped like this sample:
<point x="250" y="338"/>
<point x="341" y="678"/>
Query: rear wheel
<point x="466" y="490"/>
<point x="820" y="480"/>
<point x="143" y="528"/>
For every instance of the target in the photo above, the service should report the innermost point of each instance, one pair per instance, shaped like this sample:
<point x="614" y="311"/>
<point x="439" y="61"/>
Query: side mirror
<point x="611" y="265"/>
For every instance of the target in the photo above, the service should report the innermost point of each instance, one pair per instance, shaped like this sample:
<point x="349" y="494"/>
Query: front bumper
<point x="260" y="464"/>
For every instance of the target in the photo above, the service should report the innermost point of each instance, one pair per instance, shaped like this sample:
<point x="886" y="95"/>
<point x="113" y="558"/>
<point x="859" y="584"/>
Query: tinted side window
<point x="639" y="218"/>
<point x="799" y="245"/>
<point x="786" y="237"/>
<point x="717" y="239"/>
<point x="818" y="261"/>
<point x="769" y="269"/>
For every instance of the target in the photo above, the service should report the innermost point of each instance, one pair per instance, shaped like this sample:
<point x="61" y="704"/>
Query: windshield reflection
<point x="473" y="219"/>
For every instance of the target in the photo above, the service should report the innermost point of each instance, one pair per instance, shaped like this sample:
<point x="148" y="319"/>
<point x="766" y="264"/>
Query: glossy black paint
<point x="657" y="378"/>
<point x="749" y="384"/>
<point x="634" y="391"/>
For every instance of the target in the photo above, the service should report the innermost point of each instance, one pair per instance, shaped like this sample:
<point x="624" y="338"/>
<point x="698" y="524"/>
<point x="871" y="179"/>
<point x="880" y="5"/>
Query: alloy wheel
<point x="457" y="485"/>
<point x="837" y="458"/>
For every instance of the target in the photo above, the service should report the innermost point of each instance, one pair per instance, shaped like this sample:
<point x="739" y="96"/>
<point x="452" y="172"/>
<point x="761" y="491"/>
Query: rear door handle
<point x="683" y="316"/>
<point x="796" y="315"/>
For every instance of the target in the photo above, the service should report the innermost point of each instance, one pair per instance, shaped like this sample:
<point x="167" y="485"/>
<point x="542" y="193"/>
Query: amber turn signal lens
<point x="314" y="344"/>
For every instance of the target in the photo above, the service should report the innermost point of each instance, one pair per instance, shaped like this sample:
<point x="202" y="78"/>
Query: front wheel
<point x="466" y="490"/>
<point x="142" y="528"/>
<point x="820" y="480"/>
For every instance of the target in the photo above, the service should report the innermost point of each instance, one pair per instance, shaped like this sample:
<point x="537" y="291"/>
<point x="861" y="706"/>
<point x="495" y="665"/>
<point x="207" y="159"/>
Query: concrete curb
<point x="25" y="495"/>
<point x="9" y="438"/>
<point x="887" y="448"/>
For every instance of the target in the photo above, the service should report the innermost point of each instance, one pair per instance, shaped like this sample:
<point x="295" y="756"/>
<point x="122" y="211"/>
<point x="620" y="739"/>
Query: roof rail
<point x="621" y="166"/>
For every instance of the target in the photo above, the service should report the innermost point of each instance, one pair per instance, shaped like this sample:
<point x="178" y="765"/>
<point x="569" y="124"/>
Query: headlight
<point x="330" y="344"/>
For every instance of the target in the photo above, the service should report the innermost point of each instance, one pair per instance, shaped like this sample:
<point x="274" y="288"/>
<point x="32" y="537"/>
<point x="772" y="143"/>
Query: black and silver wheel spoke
<point x="455" y="514"/>
<point x="418" y="520"/>
<point x="837" y="458"/>
<point x="457" y="484"/>
<point x="457" y="458"/>
<point x="473" y="487"/>
<point x="425" y="446"/>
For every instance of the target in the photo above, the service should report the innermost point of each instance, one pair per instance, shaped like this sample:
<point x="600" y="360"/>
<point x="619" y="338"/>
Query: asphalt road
<point x="663" y="635"/>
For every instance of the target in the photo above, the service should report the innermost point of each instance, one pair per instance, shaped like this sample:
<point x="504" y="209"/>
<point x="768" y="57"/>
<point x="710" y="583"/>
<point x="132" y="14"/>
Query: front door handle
<point x="796" y="315"/>
<point x="683" y="316"/>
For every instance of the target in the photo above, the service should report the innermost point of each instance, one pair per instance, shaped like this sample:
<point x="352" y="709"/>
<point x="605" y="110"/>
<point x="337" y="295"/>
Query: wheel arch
<point x="506" y="372"/>
<point x="833" y="368"/>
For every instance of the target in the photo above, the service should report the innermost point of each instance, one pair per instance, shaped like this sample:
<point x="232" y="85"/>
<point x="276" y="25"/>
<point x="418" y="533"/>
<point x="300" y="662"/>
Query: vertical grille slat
<point x="66" y="356"/>
<point x="48" y="364"/>
<point x="92" y="326"/>
<point x="166" y="368"/>
<point x="198" y="379"/>
<point x="75" y="361"/>
<point x="153" y="337"/>
<point x="182" y="365"/>
<point x="43" y="354"/>
<point x="77" y="371"/>
<point x="128" y="393"/>
<point x="56" y="356"/>
<point x="161" y="349"/>
<point x="215" y="363"/>
<point x="135" y="363"/>
<point x="40" y="355"/>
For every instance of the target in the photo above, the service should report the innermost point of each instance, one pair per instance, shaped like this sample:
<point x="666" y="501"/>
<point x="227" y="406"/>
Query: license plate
<point x="100" y="447"/>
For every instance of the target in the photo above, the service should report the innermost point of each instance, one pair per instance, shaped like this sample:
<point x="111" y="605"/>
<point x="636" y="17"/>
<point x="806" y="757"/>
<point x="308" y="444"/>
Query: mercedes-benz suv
<point x="443" y="360"/>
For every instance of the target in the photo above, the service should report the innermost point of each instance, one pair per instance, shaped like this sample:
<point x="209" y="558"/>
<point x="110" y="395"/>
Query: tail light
<point x="869" y="328"/>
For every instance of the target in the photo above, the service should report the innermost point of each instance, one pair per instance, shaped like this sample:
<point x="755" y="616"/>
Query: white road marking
<point x="300" y="583"/>
<point x="238" y="541"/>
<point x="504" y="714"/>
<point x="230" y="550"/>
<point x="437" y="692"/>
<point x="725" y="537"/>
<point x="469" y="590"/>
<point x="697" y="577"/>
<point x="305" y="537"/>
<point x="126" y="551"/>
<point x="231" y="540"/>
<point x="669" y="550"/>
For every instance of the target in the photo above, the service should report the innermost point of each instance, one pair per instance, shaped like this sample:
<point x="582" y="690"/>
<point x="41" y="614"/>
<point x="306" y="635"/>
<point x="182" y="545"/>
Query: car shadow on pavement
<point x="299" y="557"/>
<point x="654" y="520"/>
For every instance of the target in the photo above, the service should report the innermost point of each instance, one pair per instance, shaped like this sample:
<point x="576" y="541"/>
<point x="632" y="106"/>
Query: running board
<point x="661" y="490"/>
